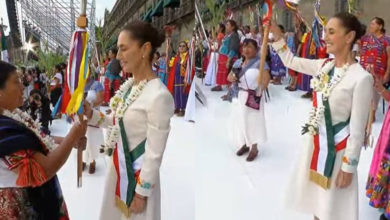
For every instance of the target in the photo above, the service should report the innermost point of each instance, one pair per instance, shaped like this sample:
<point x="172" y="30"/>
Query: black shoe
<point x="244" y="149"/>
<point x="383" y="217"/>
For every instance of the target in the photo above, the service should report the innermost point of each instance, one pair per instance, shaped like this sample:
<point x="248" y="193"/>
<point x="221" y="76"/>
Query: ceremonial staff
<point x="267" y="16"/>
<point x="76" y="76"/>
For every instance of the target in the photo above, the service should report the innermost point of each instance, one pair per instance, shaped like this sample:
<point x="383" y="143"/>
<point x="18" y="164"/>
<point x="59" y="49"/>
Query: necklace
<point x="28" y="122"/>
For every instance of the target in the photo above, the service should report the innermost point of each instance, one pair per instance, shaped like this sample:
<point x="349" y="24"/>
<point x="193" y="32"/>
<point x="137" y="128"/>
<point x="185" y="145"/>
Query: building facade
<point x="181" y="14"/>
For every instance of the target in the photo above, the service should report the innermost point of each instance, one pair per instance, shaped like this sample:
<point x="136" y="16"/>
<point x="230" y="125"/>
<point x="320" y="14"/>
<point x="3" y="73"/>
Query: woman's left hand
<point x="343" y="179"/>
<point x="138" y="204"/>
<point x="82" y="143"/>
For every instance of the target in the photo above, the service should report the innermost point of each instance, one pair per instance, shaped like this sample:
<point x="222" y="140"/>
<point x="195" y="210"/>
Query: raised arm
<point x="306" y="66"/>
<point x="302" y="65"/>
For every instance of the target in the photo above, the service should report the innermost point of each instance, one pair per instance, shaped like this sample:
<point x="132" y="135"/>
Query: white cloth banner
<point x="4" y="56"/>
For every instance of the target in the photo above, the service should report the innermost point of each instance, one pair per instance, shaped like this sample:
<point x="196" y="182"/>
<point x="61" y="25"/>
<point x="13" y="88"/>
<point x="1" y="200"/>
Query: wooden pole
<point x="82" y="22"/>
<point x="264" y="45"/>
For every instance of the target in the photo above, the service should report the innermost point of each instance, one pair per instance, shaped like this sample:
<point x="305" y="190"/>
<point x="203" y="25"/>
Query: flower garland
<point x="118" y="106"/>
<point x="324" y="85"/>
<point x="26" y="120"/>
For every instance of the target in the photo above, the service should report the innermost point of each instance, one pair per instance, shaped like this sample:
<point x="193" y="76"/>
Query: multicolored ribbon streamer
<point x="266" y="9"/>
<point x="76" y="74"/>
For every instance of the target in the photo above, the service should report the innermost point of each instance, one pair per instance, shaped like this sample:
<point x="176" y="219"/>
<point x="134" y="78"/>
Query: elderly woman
<point x="29" y="160"/>
<point x="325" y="181"/>
<point x="249" y="122"/>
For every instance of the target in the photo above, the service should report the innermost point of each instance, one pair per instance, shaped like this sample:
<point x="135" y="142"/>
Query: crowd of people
<point x="344" y="73"/>
<point x="353" y="56"/>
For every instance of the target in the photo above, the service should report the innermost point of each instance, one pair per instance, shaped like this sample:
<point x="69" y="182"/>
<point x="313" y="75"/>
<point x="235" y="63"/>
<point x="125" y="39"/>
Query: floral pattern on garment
<point x="14" y="204"/>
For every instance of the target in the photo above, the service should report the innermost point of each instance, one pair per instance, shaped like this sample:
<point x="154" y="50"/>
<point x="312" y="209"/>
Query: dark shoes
<point x="252" y="154"/>
<point x="92" y="167"/>
<point x="180" y="113"/>
<point x="307" y="95"/>
<point x="244" y="149"/>
<point x="217" y="89"/>
<point x="383" y="217"/>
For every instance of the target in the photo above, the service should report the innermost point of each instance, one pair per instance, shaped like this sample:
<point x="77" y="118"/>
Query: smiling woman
<point x="138" y="129"/>
<point x="325" y="182"/>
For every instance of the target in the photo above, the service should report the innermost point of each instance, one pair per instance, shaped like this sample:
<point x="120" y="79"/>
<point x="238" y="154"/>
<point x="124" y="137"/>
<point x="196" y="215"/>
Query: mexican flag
<point x="3" y="46"/>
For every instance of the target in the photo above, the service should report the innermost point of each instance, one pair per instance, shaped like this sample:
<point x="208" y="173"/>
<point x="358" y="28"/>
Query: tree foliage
<point x="47" y="60"/>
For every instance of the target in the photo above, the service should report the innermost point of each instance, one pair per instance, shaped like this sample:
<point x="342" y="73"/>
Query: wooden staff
<point x="264" y="45"/>
<point x="82" y="22"/>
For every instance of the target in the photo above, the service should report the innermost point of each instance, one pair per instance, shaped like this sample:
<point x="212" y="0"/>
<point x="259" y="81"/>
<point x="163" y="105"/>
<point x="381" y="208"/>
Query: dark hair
<point x="222" y="27"/>
<point x="181" y="42"/>
<point x="58" y="67"/>
<point x="380" y="21"/>
<point x="6" y="70"/>
<point x="157" y="53"/>
<point x="251" y="41"/>
<point x="234" y="24"/>
<point x="114" y="50"/>
<point x="145" y="32"/>
<point x="351" y="23"/>
<point x="281" y="28"/>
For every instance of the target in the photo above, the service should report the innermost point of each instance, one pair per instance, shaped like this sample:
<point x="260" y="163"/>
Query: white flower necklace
<point x="118" y="106"/>
<point x="324" y="85"/>
<point x="26" y="120"/>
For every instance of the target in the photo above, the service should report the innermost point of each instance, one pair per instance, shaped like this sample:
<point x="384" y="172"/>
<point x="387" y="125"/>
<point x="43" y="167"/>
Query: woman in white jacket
<point x="325" y="181"/>
<point x="137" y="129"/>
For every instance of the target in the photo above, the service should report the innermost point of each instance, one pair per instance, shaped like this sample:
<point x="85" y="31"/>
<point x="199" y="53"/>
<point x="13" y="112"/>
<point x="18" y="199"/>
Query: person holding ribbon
<point x="137" y="129"/>
<point x="30" y="159"/>
<point x="325" y="181"/>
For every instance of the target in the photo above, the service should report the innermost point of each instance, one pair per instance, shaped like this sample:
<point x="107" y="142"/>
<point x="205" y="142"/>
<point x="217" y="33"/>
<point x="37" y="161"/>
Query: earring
<point x="143" y="56"/>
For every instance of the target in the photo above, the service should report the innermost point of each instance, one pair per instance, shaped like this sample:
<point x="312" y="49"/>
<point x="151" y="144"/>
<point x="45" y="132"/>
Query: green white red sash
<point x="127" y="166"/>
<point x="329" y="140"/>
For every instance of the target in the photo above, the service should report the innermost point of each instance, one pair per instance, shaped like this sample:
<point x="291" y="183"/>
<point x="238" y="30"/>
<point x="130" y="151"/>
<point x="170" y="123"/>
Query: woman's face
<point x="130" y="53"/>
<point x="11" y="96"/>
<point x="374" y="27"/>
<point x="249" y="51"/>
<point x="229" y="27"/>
<point x="182" y="47"/>
<point x="336" y="37"/>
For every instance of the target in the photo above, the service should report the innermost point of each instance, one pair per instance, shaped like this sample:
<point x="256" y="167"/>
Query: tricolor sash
<point x="327" y="142"/>
<point x="127" y="166"/>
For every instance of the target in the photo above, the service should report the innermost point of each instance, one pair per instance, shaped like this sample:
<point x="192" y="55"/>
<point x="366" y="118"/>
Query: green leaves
<point x="48" y="59"/>
<point x="217" y="10"/>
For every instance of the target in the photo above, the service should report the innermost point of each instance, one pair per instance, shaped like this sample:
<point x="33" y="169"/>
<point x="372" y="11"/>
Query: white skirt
<point x="109" y="209"/>
<point x="94" y="142"/>
<point x="212" y="69"/>
<point x="305" y="196"/>
<point x="248" y="125"/>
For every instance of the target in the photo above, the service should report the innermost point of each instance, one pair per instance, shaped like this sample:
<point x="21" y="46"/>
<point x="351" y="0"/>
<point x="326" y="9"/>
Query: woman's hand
<point x="232" y="77"/>
<point x="138" y="204"/>
<point x="82" y="143"/>
<point x="87" y="110"/>
<point x="344" y="179"/>
<point x="78" y="130"/>
<point x="276" y="31"/>
<point x="378" y="84"/>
